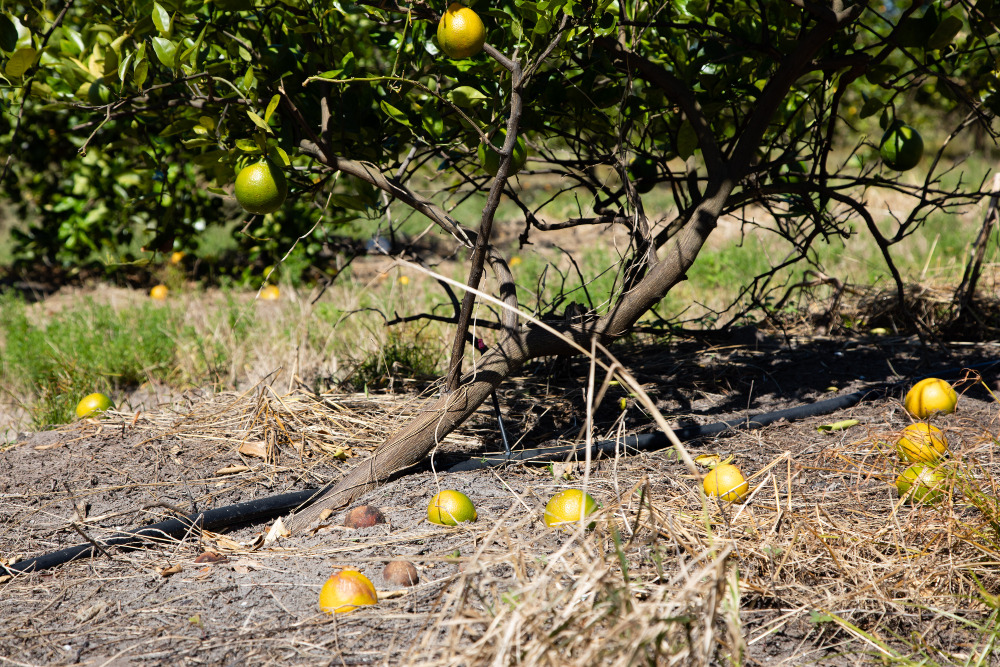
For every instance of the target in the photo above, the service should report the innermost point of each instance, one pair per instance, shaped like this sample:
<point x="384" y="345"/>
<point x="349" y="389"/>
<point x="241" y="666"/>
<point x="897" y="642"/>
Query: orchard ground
<point x="822" y="565"/>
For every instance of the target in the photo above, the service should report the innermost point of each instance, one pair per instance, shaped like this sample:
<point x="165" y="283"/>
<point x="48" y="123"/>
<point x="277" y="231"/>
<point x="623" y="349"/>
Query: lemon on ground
<point x="489" y="157"/>
<point x="921" y="483"/>
<point x="261" y="187"/>
<point x="176" y="257"/>
<point x="158" y="292"/>
<point x="930" y="396"/>
<point x="404" y="280"/>
<point x="450" y="508"/>
<point x="345" y="591"/>
<point x="921" y="442"/>
<point x="727" y="482"/>
<point x="270" y="293"/>
<point x="93" y="404"/>
<point x="568" y="506"/>
<point x="901" y="147"/>
<point x="461" y="32"/>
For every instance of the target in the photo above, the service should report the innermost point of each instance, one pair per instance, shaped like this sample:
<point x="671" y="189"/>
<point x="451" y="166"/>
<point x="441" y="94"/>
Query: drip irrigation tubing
<point x="271" y="506"/>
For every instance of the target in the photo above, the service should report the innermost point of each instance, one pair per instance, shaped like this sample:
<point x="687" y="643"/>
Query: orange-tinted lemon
<point x="461" y="32"/>
<point x="261" y="187"/>
<point x="489" y="157"/>
<point x="901" y="147"/>
<point x="93" y="404"/>
<point x="159" y="292"/>
<point x="930" y="396"/>
<point x="270" y="293"/>
<point x="450" y="508"/>
<point x="921" y="443"/>
<point x="921" y="483"/>
<point x="727" y="482"/>
<point x="568" y="506"/>
<point x="345" y="591"/>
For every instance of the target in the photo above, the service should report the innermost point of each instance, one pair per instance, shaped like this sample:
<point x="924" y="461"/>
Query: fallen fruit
<point x="404" y="280"/>
<point x="261" y="187"/>
<point x="727" y="482"/>
<point x="364" y="516"/>
<point x="568" y="506"/>
<point x="345" y="591"/>
<point x="450" y="508"/>
<point x="921" y="442"/>
<point x="461" y="32"/>
<point x="93" y="404"/>
<point x="270" y="293"/>
<point x="901" y="147"/>
<point x="921" y="484"/>
<point x="401" y="573"/>
<point x="176" y="257"/>
<point x="930" y="396"/>
<point x="159" y="292"/>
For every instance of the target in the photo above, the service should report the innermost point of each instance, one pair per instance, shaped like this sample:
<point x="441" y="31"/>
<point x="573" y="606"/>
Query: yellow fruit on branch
<point x="450" y="508"/>
<point x="921" y="483"/>
<point x="930" y="396"/>
<point x="727" y="482"/>
<point x="461" y="32"/>
<point x="93" y="404"/>
<point x="345" y="591"/>
<point x="261" y="187"/>
<point x="568" y="506"/>
<point x="921" y="443"/>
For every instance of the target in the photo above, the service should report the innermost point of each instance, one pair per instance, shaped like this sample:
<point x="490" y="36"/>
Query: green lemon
<point x="901" y="147"/>
<point x="261" y="187"/>
<point x="489" y="158"/>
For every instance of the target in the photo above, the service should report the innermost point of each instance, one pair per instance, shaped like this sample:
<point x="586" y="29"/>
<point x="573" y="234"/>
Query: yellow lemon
<point x="930" y="396"/>
<point x="568" y="506"/>
<point x="345" y="591"/>
<point x="404" y="280"/>
<point x="176" y="257"/>
<point x="159" y="292"/>
<point x="921" y="484"/>
<point x="461" y="32"/>
<point x="261" y="187"/>
<point x="270" y="293"/>
<point x="727" y="482"/>
<point x="93" y="404"/>
<point x="450" y="508"/>
<point x="921" y="442"/>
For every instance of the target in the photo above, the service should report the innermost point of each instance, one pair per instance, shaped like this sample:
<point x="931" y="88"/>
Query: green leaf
<point x="278" y="155"/>
<point x="248" y="145"/>
<point x="141" y="70"/>
<point x="687" y="140"/>
<point x="837" y="426"/>
<point x="945" y="33"/>
<point x="20" y="62"/>
<point x="878" y="74"/>
<point x="123" y="66"/>
<point x="248" y="79"/>
<point x="259" y="122"/>
<point x="165" y="51"/>
<point x="466" y="97"/>
<point x="394" y="113"/>
<point x="271" y="106"/>
<point x="871" y="107"/>
<point x="161" y="19"/>
<point x="8" y="34"/>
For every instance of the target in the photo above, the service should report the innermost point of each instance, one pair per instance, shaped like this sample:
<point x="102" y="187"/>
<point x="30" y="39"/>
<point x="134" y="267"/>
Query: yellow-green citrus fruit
<point x="345" y="591"/>
<point x="176" y="257"/>
<point x="450" y="508"/>
<point x="930" y="396"/>
<point x="921" y="483"/>
<point x="404" y="280"/>
<point x="568" y="506"/>
<point x="461" y="32"/>
<point x="270" y="293"/>
<point x="643" y="172"/>
<point x="901" y="147"/>
<point x="921" y="443"/>
<point x="158" y="292"/>
<point x="261" y="187"/>
<point x="727" y="482"/>
<point x="93" y="404"/>
<point x="490" y="157"/>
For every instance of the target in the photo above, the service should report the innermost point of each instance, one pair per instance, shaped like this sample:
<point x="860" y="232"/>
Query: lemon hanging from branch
<point x="461" y="32"/>
<point x="261" y="187"/>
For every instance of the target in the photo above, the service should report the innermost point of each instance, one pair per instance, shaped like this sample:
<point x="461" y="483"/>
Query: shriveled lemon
<point x="727" y="482"/>
<point x="461" y="32"/>
<point x="921" y="442"/>
<point x="568" y="506"/>
<point x="345" y="591"/>
<point x="93" y="404"/>
<point x="450" y="508"/>
<point x="930" y="396"/>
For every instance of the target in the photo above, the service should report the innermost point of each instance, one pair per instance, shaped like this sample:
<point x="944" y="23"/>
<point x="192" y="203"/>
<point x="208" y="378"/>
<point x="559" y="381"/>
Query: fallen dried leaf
<point x="230" y="470"/>
<point x="276" y="532"/>
<point x="91" y="611"/>
<point x="211" y="557"/>
<point x="167" y="571"/>
<point x="254" y="448"/>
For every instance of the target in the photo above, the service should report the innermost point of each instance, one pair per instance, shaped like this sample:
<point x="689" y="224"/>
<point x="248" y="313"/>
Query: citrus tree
<point x="132" y="116"/>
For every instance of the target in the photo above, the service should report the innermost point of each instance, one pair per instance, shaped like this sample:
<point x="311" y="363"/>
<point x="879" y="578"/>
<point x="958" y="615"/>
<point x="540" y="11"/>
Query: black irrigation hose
<point x="270" y="506"/>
